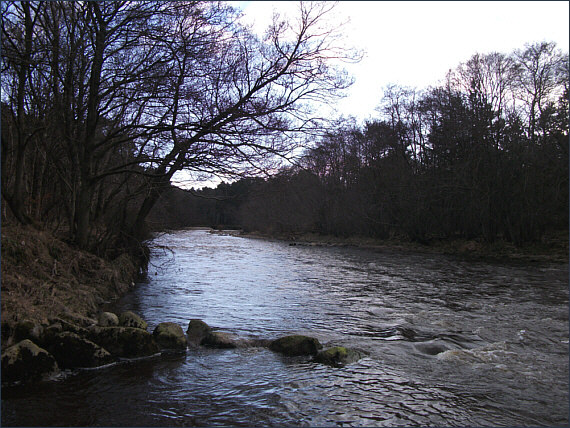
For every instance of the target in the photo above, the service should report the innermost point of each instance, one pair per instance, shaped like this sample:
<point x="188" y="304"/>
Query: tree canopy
<point x="103" y="102"/>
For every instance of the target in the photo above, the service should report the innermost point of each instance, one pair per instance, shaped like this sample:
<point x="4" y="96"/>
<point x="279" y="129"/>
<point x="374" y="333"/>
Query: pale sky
<point x="415" y="43"/>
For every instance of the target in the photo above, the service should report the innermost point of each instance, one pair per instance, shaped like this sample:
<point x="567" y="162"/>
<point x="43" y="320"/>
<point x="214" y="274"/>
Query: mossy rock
<point x="69" y="326"/>
<point x="170" y="335"/>
<point x="296" y="345"/>
<point x="338" y="356"/>
<point x="71" y="351"/>
<point x="130" y="319"/>
<point x="197" y="330"/>
<point x="218" y="339"/>
<point x="127" y="342"/>
<point x="27" y="329"/>
<point x="108" y="319"/>
<point x="27" y="361"/>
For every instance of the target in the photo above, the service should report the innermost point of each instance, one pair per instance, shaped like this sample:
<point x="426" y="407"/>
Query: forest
<point x="484" y="155"/>
<point x="103" y="103"/>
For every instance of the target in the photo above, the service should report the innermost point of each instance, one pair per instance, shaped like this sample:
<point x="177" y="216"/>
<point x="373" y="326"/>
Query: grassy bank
<point x="553" y="248"/>
<point x="43" y="278"/>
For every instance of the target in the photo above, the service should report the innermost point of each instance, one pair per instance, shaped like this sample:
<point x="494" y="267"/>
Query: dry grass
<point x="43" y="277"/>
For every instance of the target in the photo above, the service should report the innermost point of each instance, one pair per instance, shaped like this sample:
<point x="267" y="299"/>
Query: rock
<point x="217" y="339"/>
<point x="130" y="319"/>
<point x="69" y="326"/>
<point x="50" y="332"/>
<point x="127" y="342"/>
<point x="53" y="329"/>
<point x="197" y="330"/>
<point x="71" y="351"/>
<point x="27" y="329"/>
<point x="78" y="320"/>
<point x="170" y="335"/>
<point x="255" y="343"/>
<point x="108" y="319"/>
<point x="338" y="356"/>
<point x="26" y="361"/>
<point x="431" y="348"/>
<point x="296" y="345"/>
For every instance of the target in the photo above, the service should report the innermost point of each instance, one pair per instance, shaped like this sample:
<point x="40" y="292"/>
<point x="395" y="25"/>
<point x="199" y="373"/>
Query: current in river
<point x="447" y="342"/>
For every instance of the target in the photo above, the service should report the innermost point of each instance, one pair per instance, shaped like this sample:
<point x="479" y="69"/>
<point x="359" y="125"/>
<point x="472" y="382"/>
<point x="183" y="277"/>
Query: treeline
<point x="482" y="156"/>
<point x="104" y="102"/>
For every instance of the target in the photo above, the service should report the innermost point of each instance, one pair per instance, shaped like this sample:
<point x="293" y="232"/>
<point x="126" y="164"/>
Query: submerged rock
<point x="296" y="345"/>
<point x="218" y="339"/>
<point x="197" y="330"/>
<point x="26" y="361"/>
<point x="338" y="356"/>
<point x="130" y="319"/>
<point x="431" y="348"/>
<point x="170" y="335"/>
<point x="127" y="342"/>
<point x="71" y="351"/>
<point x="254" y="343"/>
<point x="108" y="319"/>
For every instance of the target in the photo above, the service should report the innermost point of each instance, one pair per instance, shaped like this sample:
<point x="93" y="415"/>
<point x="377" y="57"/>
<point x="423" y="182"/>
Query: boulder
<point x="217" y="339"/>
<point x="71" y="351"/>
<point x="338" y="356"/>
<point x="50" y="332"/>
<point x="127" y="342"/>
<point x="296" y="345"/>
<point x="197" y="330"/>
<point x="130" y="319"/>
<point x="69" y="326"/>
<point x="108" y="319"/>
<point x="170" y="335"/>
<point x="53" y="329"/>
<point x="26" y="361"/>
<point x="27" y="329"/>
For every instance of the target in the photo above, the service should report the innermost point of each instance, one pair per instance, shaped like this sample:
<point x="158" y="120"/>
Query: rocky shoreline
<point x="42" y="352"/>
<point x="44" y="278"/>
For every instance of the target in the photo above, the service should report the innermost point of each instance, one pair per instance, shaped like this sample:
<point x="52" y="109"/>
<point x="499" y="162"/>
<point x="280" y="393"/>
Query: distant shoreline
<point x="552" y="250"/>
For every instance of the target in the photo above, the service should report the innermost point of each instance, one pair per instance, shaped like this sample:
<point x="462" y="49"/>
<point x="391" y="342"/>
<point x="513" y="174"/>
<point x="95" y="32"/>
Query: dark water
<point x="448" y="342"/>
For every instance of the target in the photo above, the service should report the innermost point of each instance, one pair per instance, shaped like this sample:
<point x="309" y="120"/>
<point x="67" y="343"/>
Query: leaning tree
<point x="120" y="96"/>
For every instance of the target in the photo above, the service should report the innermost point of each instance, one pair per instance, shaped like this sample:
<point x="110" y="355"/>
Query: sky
<point x="415" y="44"/>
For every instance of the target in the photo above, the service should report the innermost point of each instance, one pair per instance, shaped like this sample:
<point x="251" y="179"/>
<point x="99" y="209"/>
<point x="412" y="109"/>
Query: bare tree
<point x="542" y="71"/>
<point x="148" y="89"/>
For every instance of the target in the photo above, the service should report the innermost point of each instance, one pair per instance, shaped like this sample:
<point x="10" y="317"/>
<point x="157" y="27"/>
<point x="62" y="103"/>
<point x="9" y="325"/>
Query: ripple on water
<point x="447" y="342"/>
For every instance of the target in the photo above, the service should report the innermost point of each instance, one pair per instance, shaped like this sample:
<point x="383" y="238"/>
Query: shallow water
<point x="448" y="342"/>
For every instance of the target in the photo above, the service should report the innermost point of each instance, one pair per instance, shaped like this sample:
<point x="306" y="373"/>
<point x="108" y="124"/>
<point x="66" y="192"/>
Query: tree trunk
<point x="157" y="187"/>
<point x="82" y="215"/>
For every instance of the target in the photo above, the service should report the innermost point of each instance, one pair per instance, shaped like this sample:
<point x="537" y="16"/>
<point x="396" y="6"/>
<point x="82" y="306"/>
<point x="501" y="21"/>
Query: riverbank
<point x="44" y="278"/>
<point x="553" y="248"/>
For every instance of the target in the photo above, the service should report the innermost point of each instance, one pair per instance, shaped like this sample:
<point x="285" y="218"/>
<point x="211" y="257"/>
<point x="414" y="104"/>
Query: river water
<point x="448" y="342"/>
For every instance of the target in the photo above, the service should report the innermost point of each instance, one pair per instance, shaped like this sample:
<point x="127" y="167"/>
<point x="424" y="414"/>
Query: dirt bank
<point x="43" y="278"/>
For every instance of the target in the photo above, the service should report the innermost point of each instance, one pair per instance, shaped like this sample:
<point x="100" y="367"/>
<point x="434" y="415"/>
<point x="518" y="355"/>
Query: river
<point x="448" y="342"/>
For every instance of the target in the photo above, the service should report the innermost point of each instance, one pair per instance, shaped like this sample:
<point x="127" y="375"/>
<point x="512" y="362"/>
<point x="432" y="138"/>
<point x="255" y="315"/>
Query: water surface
<point x="448" y="342"/>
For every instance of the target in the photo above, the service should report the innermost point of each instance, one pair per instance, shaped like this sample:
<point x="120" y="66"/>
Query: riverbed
<point x="447" y="342"/>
